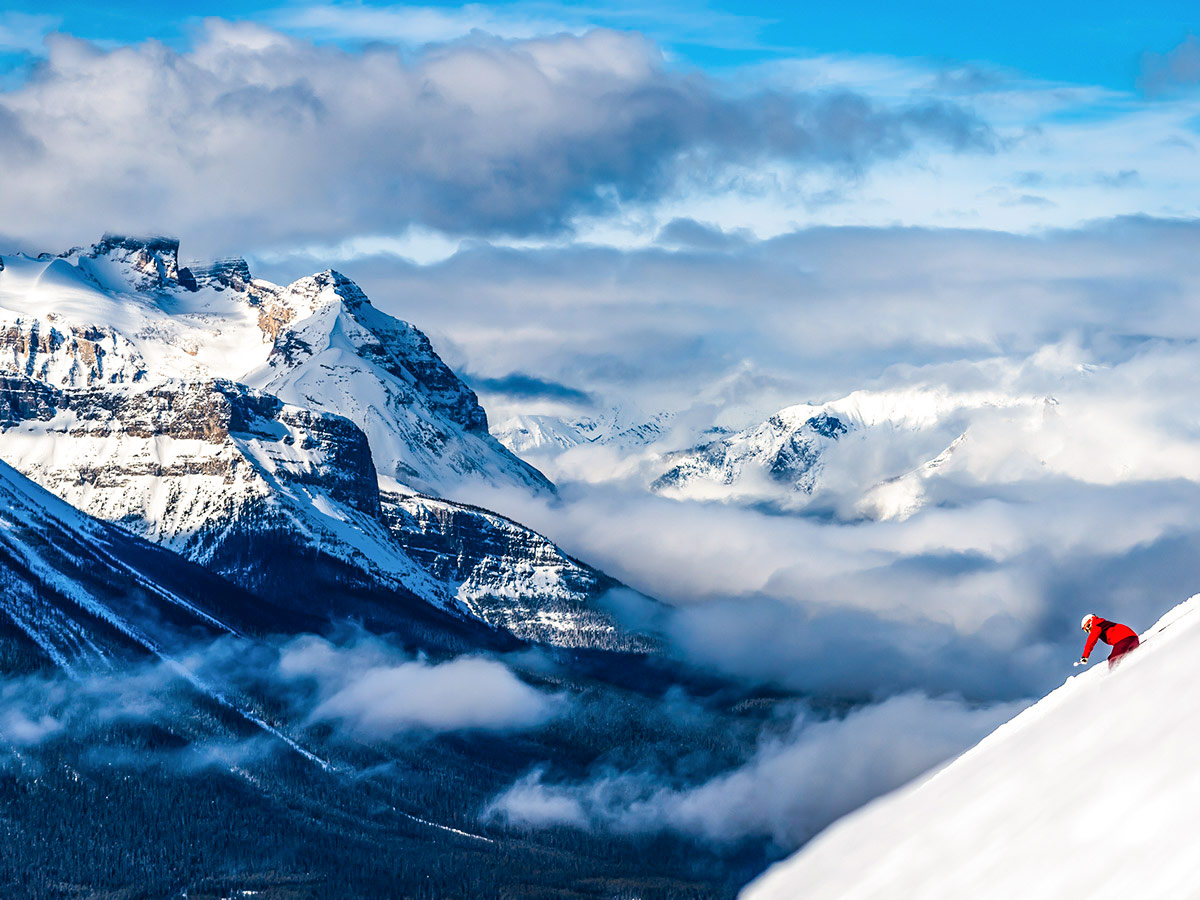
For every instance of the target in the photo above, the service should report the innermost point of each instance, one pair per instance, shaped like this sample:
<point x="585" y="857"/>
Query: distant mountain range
<point x="872" y="454"/>
<point x="533" y="433"/>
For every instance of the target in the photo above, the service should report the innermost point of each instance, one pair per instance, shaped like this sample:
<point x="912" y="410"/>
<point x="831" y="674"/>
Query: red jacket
<point x="1109" y="632"/>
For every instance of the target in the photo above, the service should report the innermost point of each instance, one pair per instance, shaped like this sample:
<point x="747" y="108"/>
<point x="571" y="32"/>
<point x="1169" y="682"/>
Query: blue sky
<point x="1084" y="43"/>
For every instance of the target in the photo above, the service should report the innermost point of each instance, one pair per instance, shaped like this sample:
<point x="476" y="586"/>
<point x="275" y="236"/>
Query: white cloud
<point x="414" y="25"/>
<point x="1047" y="512"/>
<point x="792" y="787"/>
<point x="372" y="693"/>
<point x="256" y="138"/>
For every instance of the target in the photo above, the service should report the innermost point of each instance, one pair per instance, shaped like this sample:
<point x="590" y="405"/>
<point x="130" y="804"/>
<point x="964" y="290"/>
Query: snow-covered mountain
<point x="787" y="448"/>
<point x="867" y="454"/>
<point x="125" y="312"/>
<point x="80" y="595"/>
<point x="507" y="575"/>
<point x="1089" y="792"/>
<point x="208" y="469"/>
<point x="248" y="427"/>
<point x="616" y="427"/>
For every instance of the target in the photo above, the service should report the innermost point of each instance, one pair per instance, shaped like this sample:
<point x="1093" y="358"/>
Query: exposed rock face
<point x="23" y="398"/>
<point x="270" y="495"/>
<point x="154" y="261"/>
<point x="394" y="346"/>
<point x="73" y="355"/>
<point x="203" y="410"/>
<point x="218" y="473"/>
<point x="231" y="273"/>
<point x="123" y="311"/>
<point x="507" y="575"/>
<point x="332" y="350"/>
<point x="78" y="594"/>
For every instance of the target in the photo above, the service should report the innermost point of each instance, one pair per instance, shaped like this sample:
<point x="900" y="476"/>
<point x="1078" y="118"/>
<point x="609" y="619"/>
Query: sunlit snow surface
<point x="1092" y="792"/>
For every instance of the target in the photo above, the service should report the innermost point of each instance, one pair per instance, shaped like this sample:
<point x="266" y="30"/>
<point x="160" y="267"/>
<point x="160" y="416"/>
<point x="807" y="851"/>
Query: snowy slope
<point x="1091" y="792"/>
<point x="77" y="593"/>
<point x="508" y="576"/>
<point x="337" y="353"/>
<point x="201" y="468"/>
<point x="269" y="494"/>
<point x="521" y="434"/>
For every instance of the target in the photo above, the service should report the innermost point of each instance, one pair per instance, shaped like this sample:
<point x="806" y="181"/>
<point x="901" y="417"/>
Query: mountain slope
<point x="285" y="502"/>
<point x="125" y="312"/>
<point x="615" y="427"/>
<point x="1089" y="792"/>
<point x="508" y="576"/>
<point x="335" y="352"/>
<point x="248" y="426"/>
<point x="212" y="470"/>
<point x="79" y="595"/>
<point x="140" y="716"/>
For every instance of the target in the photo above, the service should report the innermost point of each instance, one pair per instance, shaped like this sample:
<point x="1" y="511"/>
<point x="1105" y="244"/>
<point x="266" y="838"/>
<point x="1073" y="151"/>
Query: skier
<point x="1122" y="637"/>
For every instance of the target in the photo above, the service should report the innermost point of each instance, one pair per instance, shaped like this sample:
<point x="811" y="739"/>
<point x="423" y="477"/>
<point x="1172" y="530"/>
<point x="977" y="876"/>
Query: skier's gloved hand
<point x="1082" y="661"/>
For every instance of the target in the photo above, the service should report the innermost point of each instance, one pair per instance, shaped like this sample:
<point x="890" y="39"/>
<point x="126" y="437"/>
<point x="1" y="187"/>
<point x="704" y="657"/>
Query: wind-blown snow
<point x="1090" y="792"/>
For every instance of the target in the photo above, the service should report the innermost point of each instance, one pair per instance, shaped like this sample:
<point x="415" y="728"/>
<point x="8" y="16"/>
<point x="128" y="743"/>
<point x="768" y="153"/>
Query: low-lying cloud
<point x="791" y="788"/>
<point x="371" y="692"/>
<point x="357" y="689"/>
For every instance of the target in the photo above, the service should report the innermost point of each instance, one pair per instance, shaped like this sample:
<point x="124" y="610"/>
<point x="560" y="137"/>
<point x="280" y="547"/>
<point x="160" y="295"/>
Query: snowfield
<point x="1090" y="792"/>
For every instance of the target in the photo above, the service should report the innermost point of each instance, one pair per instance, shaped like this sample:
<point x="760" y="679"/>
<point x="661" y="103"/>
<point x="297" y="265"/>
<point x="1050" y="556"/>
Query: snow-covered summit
<point x="869" y="453"/>
<point x="125" y="312"/>
<point x="332" y="350"/>
<point x="615" y="427"/>
<point x="1090" y="792"/>
<point x="249" y="426"/>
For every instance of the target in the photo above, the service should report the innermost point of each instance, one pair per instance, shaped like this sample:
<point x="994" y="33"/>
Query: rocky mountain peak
<point x="124" y="312"/>
<point x="322" y="289"/>
<point x="232" y="272"/>
<point x="146" y="263"/>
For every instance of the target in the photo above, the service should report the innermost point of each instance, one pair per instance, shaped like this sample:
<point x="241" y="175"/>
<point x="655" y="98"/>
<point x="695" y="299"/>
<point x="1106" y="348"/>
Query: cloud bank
<point x="792" y="787"/>
<point x="1074" y="491"/>
<point x="371" y="692"/>
<point x="254" y="138"/>
<point x="745" y="329"/>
